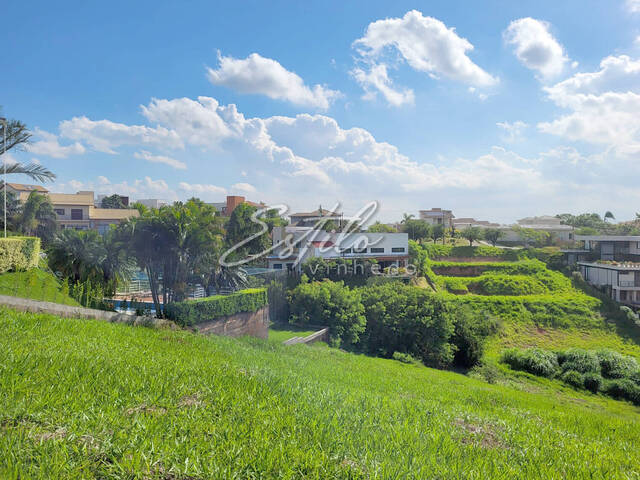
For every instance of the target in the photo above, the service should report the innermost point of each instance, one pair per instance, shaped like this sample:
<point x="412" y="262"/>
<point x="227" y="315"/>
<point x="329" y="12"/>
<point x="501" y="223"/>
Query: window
<point x="59" y="211"/>
<point x="397" y="249"/>
<point x="277" y="266"/>
<point x="345" y="250"/>
<point x="377" y="250"/>
<point x="359" y="250"/>
<point x="76" y="214"/>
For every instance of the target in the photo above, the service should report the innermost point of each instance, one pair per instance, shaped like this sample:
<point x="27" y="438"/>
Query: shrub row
<point x="386" y="318"/>
<point x="501" y="284"/>
<point x="19" y="253"/>
<point x="603" y="371"/>
<point x="192" y="312"/>
<point x="550" y="255"/>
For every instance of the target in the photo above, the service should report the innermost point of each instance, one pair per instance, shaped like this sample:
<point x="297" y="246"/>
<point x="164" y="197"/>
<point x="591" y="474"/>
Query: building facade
<point x="438" y="216"/>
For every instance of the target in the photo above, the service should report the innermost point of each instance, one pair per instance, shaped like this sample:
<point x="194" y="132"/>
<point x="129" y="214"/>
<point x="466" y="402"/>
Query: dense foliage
<point x="191" y="312"/>
<point x="604" y="370"/>
<point x="19" y="253"/>
<point x="389" y="317"/>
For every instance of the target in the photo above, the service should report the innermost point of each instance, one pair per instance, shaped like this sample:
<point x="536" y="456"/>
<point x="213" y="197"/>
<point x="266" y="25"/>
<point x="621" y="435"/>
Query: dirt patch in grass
<point x="144" y="408"/>
<point x="190" y="401"/>
<point x="57" y="434"/>
<point x="481" y="435"/>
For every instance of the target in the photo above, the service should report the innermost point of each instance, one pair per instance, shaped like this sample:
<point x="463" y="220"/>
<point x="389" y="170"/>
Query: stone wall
<point x="255" y="324"/>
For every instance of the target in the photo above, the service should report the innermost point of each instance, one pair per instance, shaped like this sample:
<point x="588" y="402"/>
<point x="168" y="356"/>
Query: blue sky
<point x="498" y="110"/>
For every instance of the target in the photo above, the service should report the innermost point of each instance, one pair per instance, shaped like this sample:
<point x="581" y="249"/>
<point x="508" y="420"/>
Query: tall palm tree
<point x="37" y="217"/>
<point x="608" y="215"/>
<point x="35" y="171"/>
<point x="406" y="217"/>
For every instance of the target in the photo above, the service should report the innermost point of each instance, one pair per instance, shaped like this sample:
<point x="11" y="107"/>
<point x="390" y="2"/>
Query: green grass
<point x="36" y="284"/>
<point x="280" y="332"/>
<point x="85" y="399"/>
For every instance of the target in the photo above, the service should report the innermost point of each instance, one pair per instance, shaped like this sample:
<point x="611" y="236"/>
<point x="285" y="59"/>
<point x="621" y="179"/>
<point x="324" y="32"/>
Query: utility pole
<point x="3" y="121"/>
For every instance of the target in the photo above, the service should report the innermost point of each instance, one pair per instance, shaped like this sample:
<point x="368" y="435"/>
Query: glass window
<point x="76" y="214"/>
<point x="277" y="266"/>
<point x="59" y="211"/>
<point x="377" y="250"/>
<point x="397" y="249"/>
<point x="359" y="250"/>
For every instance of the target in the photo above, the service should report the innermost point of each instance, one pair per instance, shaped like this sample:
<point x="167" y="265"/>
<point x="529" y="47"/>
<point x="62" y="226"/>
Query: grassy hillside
<point x="36" y="284"/>
<point x="84" y="399"/>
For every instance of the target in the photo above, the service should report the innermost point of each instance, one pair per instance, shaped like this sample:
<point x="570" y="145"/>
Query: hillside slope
<point x="84" y="399"/>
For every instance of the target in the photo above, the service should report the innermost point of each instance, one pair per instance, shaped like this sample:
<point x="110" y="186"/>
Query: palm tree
<point x="608" y="215"/>
<point x="37" y="217"/>
<point x="406" y="217"/>
<point x="35" y="171"/>
<point x="77" y="255"/>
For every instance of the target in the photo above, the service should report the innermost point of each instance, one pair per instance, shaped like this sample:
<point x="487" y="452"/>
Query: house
<point x="293" y="245"/>
<point x="612" y="262"/>
<point x="152" y="202"/>
<point x="558" y="232"/>
<point x="309" y="219"/>
<point x="22" y="192"/>
<point x="438" y="216"/>
<point x="227" y="207"/>
<point x="75" y="210"/>
<point x="466" y="222"/>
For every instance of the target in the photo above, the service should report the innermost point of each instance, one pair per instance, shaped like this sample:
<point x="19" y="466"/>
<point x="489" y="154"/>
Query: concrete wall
<point x="319" y="336"/>
<point x="255" y="324"/>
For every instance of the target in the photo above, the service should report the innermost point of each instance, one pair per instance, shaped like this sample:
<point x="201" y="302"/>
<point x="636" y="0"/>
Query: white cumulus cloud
<point x="149" y="157"/>
<point x="426" y="44"/>
<point x="49" y="145"/>
<point x="377" y="80"/>
<point x="265" y="76"/>
<point x="513" y="130"/>
<point x="535" y="46"/>
<point x="243" y="187"/>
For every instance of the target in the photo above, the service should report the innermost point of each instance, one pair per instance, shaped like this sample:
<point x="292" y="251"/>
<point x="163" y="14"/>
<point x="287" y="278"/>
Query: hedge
<point x="192" y="312"/>
<point x="19" y="253"/>
<point x="501" y="284"/>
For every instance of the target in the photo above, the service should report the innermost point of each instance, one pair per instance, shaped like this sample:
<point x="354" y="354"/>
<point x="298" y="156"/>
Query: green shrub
<point x="580" y="360"/>
<point x="19" y="253"/>
<point x="615" y="365"/>
<point x="405" y="358"/>
<point x="192" y="312"/>
<point x="330" y="304"/>
<point x="573" y="378"/>
<point x="470" y="334"/>
<point x="502" y="284"/>
<point x="533" y="360"/>
<point x="593" y="382"/>
<point x="408" y="319"/>
<point x="623" y="389"/>
<point x="455" y="284"/>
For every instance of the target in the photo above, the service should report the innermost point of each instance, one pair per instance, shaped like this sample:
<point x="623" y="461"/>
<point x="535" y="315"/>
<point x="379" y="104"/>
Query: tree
<point x="493" y="235"/>
<point x="37" y="217"/>
<point x="13" y="207"/>
<point x="77" y="255"/>
<point x="472" y="234"/>
<point x="381" y="228"/>
<point x="406" y="217"/>
<point x="608" y="215"/>
<point x="417" y="229"/>
<point x="241" y="227"/>
<point x="114" y="201"/>
<point x="437" y="231"/>
<point x="33" y="170"/>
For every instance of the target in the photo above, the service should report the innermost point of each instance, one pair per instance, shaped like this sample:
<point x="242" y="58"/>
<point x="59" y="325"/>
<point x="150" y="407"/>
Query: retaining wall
<point x="255" y="324"/>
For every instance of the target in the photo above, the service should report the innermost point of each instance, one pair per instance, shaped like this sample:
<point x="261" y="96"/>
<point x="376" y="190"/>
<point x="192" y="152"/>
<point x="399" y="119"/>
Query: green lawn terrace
<point x="537" y="306"/>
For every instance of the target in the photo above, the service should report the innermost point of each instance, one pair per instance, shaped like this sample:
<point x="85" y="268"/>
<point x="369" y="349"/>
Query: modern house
<point x="152" y="202"/>
<point x="294" y="245"/>
<point x="227" y="207"/>
<point x="438" y="216"/>
<point x="612" y="262"/>
<point x="75" y="210"/>
<point x="466" y="222"/>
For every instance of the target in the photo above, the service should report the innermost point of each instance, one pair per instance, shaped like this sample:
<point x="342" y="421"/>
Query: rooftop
<point x="609" y="238"/>
<point x="21" y="187"/>
<point x="112" y="213"/>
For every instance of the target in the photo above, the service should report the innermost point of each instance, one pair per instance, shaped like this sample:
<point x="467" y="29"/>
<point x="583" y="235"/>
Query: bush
<point x="573" y="378"/>
<point x="470" y="335"/>
<point x="503" y="284"/>
<point x="580" y="360"/>
<point x="615" y="365"/>
<point x="192" y="312"/>
<point x="623" y="389"/>
<point x="533" y="360"/>
<point x="593" y="382"/>
<point x="329" y="304"/>
<point x="408" y="319"/>
<point x="19" y="253"/>
<point x="405" y="358"/>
